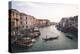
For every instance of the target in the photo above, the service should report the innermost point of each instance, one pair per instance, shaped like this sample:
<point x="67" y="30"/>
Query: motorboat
<point x="26" y="41"/>
<point x="33" y="40"/>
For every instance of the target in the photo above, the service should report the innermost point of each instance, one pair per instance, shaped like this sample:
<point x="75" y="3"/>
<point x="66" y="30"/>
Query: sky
<point x="52" y="11"/>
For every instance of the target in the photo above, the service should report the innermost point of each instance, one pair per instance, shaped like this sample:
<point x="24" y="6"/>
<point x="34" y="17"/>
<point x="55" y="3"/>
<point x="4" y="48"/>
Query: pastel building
<point x="23" y="21"/>
<point x="14" y="17"/>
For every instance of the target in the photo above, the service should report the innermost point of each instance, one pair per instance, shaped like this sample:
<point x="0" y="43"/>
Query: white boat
<point x="33" y="40"/>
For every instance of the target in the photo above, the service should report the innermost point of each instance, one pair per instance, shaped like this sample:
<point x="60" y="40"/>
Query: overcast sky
<point x="52" y="11"/>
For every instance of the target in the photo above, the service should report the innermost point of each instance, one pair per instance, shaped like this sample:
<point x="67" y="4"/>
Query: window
<point x="21" y="18"/>
<point x="26" y="22"/>
<point x="26" y="18"/>
<point x="13" y="13"/>
<point x="16" y="14"/>
<point x="21" y="22"/>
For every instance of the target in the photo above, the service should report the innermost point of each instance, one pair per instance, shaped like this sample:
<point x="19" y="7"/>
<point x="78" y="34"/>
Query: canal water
<point x="61" y="43"/>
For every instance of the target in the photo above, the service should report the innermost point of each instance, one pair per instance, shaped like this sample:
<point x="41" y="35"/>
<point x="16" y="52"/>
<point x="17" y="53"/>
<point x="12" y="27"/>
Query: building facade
<point x="69" y="24"/>
<point x="14" y="17"/>
<point x="23" y="21"/>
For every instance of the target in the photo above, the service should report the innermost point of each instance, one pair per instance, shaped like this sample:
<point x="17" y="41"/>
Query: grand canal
<point x="61" y="43"/>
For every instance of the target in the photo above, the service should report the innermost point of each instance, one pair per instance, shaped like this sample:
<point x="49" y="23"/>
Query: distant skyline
<point x="52" y="11"/>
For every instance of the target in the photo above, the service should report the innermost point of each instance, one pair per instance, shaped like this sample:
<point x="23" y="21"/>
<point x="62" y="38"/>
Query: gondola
<point x="51" y="38"/>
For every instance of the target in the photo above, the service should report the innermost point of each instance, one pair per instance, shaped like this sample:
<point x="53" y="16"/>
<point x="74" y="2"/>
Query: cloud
<point x="51" y="11"/>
